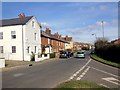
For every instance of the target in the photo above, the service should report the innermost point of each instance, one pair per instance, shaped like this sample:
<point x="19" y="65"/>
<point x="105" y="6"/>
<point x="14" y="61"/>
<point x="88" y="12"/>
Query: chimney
<point x="21" y="15"/>
<point x="48" y="31"/>
<point x="66" y="38"/>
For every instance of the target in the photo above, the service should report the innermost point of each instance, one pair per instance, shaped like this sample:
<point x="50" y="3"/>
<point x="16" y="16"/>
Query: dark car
<point x="92" y="52"/>
<point x="70" y="53"/>
<point x="64" y="54"/>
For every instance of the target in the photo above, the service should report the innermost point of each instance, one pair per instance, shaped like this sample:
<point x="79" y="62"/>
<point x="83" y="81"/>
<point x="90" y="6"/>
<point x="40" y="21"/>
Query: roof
<point x="43" y="33"/>
<point x="15" y="21"/>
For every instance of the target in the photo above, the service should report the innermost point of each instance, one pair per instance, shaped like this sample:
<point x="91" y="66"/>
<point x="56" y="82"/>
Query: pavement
<point x="54" y="72"/>
<point x="10" y="64"/>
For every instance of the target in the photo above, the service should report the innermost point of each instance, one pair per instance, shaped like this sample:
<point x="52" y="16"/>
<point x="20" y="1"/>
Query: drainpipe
<point x="22" y="43"/>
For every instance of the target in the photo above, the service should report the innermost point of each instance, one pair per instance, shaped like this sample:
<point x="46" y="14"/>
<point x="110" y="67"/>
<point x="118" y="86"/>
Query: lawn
<point x="95" y="57"/>
<point x="73" y="85"/>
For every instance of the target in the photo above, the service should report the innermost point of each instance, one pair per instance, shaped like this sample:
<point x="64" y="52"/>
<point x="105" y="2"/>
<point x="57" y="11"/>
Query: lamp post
<point x="95" y="36"/>
<point x="103" y="29"/>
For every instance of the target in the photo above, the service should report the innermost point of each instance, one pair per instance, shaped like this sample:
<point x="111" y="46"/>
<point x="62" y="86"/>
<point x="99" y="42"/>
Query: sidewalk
<point x="10" y="64"/>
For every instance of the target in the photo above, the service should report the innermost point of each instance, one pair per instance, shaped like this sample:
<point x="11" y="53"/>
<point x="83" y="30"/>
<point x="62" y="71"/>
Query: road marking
<point x="106" y="65"/>
<point x="82" y="75"/>
<point x="76" y="73"/>
<point x="105" y="72"/>
<point x="18" y="74"/>
<point x="112" y="80"/>
<point x="104" y="85"/>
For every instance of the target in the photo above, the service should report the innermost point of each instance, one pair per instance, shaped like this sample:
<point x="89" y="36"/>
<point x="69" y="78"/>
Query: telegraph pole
<point x="103" y="29"/>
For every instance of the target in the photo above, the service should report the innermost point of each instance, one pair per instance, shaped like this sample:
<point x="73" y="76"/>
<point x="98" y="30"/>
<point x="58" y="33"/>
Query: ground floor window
<point x="13" y="49"/>
<point x="1" y="49"/>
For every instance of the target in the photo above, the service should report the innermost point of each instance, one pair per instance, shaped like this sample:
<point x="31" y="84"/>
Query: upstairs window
<point x="1" y="35"/>
<point x="13" y="34"/>
<point x="1" y="49"/>
<point x="33" y="24"/>
<point x="35" y="35"/>
<point x="13" y="49"/>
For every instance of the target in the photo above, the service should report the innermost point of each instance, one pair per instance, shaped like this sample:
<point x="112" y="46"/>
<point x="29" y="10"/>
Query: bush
<point x="52" y="55"/>
<point x="107" y="51"/>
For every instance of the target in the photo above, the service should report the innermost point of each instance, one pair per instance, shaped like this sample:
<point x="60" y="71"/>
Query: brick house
<point x="51" y="42"/>
<point x="116" y="42"/>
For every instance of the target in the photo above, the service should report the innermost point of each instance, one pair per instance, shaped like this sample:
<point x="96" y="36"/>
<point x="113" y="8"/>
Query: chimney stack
<point x="21" y="15"/>
<point x="48" y="31"/>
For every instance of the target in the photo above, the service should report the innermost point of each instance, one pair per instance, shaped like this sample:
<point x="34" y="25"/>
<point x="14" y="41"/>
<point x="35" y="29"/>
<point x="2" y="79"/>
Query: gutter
<point x="22" y="43"/>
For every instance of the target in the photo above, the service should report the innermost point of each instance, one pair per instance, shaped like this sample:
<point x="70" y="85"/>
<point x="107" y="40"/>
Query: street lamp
<point x="95" y="36"/>
<point x="103" y="28"/>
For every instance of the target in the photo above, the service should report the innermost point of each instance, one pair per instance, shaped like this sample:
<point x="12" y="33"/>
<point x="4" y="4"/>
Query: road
<point x="51" y="73"/>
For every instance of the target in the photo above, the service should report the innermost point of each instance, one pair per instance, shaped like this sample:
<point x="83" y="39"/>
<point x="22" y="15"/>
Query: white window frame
<point x="1" y="35"/>
<point x="35" y="49"/>
<point x="13" y="34"/>
<point x="33" y="24"/>
<point x="35" y="36"/>
<point x="1" y="49"/>
<point x="28" y="49"/>
<point x="13" y="49"/>
<point x="48" y="40"/>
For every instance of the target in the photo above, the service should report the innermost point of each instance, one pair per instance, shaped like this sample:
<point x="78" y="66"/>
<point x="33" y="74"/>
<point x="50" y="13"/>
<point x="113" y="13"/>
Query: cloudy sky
<point x="77" y="19"/>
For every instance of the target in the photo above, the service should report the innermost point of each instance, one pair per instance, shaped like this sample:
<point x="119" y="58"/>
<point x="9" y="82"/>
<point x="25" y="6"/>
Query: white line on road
<point x="82" y="75"/>
<point x="18" y="74"/>
<point x="105" y="72"/>
<point x="76" y="73"/>
<point x="112" y="80"/>
<point x="104" y="85"/>
<point x="105" y="65"/>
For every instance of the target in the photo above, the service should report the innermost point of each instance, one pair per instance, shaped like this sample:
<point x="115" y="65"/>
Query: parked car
<point x="70" y="53"/>
<point x="80" y="54"/>
<point x="64" y="54"/>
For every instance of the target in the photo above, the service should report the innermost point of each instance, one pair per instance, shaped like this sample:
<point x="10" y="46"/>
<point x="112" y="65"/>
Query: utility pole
<point x="103" y="29"/>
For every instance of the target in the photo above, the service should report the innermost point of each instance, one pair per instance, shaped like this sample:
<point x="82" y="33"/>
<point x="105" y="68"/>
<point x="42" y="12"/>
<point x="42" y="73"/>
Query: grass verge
<point x="95" y="57"/>
<point x="80" y="85"/>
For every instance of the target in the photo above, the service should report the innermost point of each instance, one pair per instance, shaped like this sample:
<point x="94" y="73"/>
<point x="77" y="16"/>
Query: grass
<point x="95" y="57"/>
<point x="73" y="85"/>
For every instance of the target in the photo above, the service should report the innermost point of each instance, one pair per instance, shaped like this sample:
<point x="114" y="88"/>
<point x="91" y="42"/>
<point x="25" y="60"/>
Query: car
<point x="64" y="54"/>
<point x="80" y="54"/>
<point x="92" y="52"/>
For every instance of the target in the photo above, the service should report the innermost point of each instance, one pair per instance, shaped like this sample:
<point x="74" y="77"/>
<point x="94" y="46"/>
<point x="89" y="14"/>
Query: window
<point x="28" y="49"/>
<point x="35" y="35"/>
<point x="1" y="49"/>
<point x="13" y="34"/>
<point x="48" y="41"/>
<point x="35" y="49"/>
<point x="13" y="49"/>
<point x="1" y="35"/>
<point x="33" y="24"/>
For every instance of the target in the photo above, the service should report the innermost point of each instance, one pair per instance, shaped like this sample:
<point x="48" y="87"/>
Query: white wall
<point x="29" y="38"/>
<point x="7" y="42"/>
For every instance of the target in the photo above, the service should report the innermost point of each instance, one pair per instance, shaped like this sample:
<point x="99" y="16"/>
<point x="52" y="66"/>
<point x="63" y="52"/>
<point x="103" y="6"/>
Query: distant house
<point x="69" y="45"/>
<point x="116" y="42"/>
<point x="19" y="37"/>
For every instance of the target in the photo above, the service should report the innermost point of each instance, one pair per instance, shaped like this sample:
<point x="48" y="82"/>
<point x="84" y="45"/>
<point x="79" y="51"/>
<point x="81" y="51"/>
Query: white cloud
<point x="103" y="7"/>
<point x="44" y="24"/>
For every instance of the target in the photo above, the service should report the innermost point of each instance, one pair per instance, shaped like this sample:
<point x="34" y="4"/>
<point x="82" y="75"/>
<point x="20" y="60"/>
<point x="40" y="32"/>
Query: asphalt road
<point x="51" y="73"/>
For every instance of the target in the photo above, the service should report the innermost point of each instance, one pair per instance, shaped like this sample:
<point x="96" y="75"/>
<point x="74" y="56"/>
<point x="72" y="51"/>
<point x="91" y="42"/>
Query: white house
<point x="19" y="37"/>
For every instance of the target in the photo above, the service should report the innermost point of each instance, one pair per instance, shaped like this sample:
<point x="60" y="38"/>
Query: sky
<point x="77" y="19"/>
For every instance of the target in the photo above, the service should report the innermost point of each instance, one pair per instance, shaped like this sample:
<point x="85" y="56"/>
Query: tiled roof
<point x="15" y="21"/>
<point x="43" y="33"/>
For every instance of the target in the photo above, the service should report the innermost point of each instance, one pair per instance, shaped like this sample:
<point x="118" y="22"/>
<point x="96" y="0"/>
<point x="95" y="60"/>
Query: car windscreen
<point x="80" y="52"/>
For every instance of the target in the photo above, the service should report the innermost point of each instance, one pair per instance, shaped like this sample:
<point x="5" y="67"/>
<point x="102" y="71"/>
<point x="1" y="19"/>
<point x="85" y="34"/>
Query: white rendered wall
<point x="7" y="42"/>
